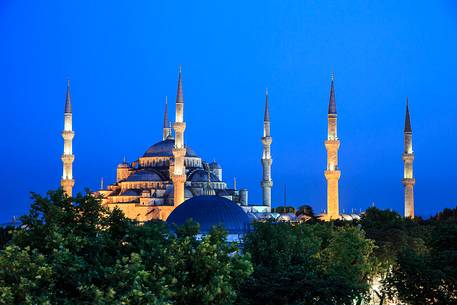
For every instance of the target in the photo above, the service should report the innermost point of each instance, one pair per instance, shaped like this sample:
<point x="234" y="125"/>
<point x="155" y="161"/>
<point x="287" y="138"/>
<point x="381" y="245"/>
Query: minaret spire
<point x="332" y="145"/>
<point x="267" y="182"/>
<point x="407" y="119"/>
<point x="332" y="103"/>
<point x="166" y="126"/>
<point x="179" y="151"/>
<point x="266" y="116"/>
<point x="408" y="158"/>
<point x="67" y="182"/>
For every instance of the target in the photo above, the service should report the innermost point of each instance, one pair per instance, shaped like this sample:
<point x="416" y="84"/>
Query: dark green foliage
<point x="427" y="275"/>
<point x="306" y="264"/>
<point x="80" y="253"/>
<point x="416" y="260"/>
<point x="6" y="233"/>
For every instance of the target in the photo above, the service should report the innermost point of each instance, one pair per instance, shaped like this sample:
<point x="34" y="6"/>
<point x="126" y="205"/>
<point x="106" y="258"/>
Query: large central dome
<point x="211" y="211"/>
<point x="165" y="149"/>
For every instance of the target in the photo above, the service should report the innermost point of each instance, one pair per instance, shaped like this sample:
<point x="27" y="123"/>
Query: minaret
<point x="179" y="151"/>
<point x="332" y="144"/>
<point x="166" y="126"/>
<point x="67" y="182"/>
<point x="266" y="182"/>
<point x="408" y="158"/>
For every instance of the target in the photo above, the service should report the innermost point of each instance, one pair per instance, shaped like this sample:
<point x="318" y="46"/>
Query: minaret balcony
<point x="332" y="174"/>
<point x="179" y="127"/>
<point x="332" y="144"/>
<point x="67" y="158"/>
<point x="408" y="181"/>
<point x="68" y="135"/>
<point x="267" y="140"/>
<point x="266" y="183"/>
<point x="408" y="157"/>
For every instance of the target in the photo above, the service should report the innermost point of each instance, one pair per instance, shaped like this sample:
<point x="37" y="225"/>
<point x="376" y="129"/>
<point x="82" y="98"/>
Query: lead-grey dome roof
<point x="165" y="149"/>
<point x="211" y="211"/>
<point x="145" y="175"/>
<point x="201" y="175"/>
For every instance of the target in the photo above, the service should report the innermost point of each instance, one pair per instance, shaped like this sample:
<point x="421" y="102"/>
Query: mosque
<point x="167" y="173"/>
<point x="170" y="181"/>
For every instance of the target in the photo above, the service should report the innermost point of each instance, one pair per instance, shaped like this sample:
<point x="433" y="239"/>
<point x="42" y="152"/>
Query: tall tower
<point x="266" y="182"/>
<point x="332" y="144"/>
<point x="408" y="158"/>
<point x="166" y="127"/>
<point x="179" y="151"/>
<point x="67" y="182"/>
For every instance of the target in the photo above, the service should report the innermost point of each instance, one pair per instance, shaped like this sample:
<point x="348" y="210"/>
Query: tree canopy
<point x="74" y="251"/>
<point x="307" y="264"/>
<point x="77" y="252"/>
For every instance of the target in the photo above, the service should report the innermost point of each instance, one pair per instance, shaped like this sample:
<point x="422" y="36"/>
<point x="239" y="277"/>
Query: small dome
<point x="201" y="175"/>
<point x="211" y="211"/>
<point x="165" y="149"/>
<point x="145" y="175"/>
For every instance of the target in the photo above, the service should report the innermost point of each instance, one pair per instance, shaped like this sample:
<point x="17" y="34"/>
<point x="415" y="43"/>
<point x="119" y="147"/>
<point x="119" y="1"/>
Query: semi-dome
<point x="211" y="211"/>
<point x="201" y="175"/>
<point x="165" y="149"/>
<point x="145" y="175"/>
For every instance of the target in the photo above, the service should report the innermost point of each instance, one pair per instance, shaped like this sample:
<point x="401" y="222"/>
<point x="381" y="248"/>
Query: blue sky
<point x="122" y="58"/>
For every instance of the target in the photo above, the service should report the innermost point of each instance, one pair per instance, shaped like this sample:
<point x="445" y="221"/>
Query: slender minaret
<point x="266" y="182"/>
<point x="408" y="158"/>
<point x="67" y="182"/>
<point x="166" y="126"/>
<point x="179" y="151"/>
<point x="332" y="144"/>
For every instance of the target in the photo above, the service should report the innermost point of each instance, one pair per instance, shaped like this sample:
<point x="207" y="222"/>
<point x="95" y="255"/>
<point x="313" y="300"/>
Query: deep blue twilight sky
<point x="122" y="58"/>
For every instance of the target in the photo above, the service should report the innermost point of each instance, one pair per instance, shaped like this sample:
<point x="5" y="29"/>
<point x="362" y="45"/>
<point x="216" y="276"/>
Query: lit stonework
<point x="266" y="182"/>
<point x="179" y="152"/>
<point x="408" y="158"/>
<point x="168" y="173"/>
<point x="332" y="173"/>
<point x="67" y="182"/>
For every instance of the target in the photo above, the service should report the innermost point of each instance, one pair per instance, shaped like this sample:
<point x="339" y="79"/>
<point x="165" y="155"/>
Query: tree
<point x="74" y="251"/>
<point x="306" y="264"/>
<point x="5" y="235"/>
<point x="428" y="275"/>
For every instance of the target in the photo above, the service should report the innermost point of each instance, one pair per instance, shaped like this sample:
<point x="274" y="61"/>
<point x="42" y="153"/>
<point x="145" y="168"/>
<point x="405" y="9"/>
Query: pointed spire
<point x="332" y="103"/>
<point x="165" y="117"/>
<point x="179" y="95"/>
<point x="407" y="119"/>
<point x="68" y="100"/>
<point x="266" y="117"/>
